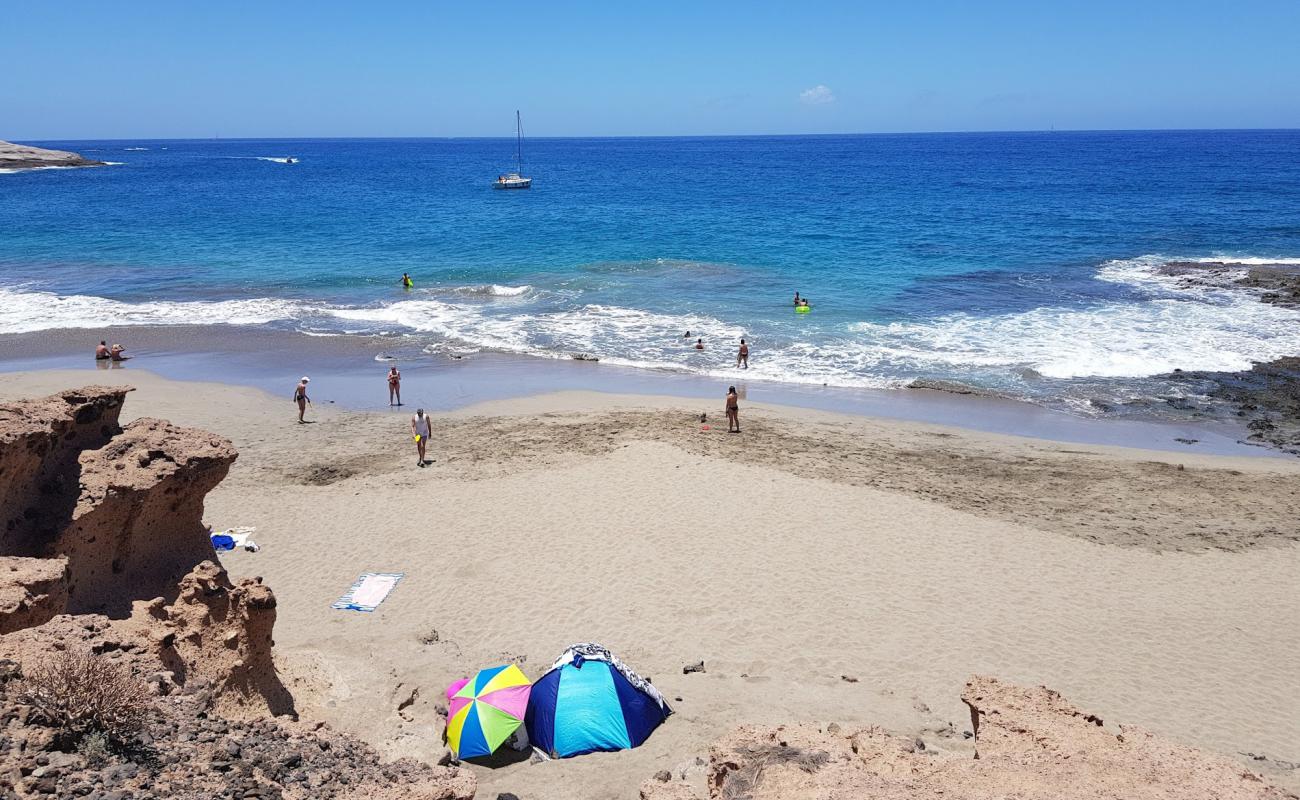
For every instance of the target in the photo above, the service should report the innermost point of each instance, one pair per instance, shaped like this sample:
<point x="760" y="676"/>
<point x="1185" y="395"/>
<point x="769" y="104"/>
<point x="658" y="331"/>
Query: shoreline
<point x="345" y="371"/>
<point x="906" y="556"/>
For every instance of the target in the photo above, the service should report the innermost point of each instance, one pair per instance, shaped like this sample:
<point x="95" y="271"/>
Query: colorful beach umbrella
<point x="484" y="710"/>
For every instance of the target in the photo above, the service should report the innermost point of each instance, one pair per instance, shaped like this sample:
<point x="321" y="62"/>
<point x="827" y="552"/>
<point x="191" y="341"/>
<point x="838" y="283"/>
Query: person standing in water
<point x="394" y="386"/>
<point x="796" y="299"/>
<point x="742" y="356"/>
<point x="407" y="283"/>
<point x="300" y="397"/>
<point x="699" y="344"/>
<point x="733" y="410"/>
<point x="420" y="432"/>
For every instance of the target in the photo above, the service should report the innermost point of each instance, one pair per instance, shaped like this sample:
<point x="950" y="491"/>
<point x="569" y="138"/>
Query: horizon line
<point x="662" y="135"/>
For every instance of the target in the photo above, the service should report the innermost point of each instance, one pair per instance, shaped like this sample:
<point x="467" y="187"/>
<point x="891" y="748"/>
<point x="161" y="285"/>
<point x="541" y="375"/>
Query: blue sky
<point x="82" y="70"/>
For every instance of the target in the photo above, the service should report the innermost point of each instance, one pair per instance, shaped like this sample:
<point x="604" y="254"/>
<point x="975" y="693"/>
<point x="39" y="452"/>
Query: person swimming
<point x="407" y="283"/>
<point x="699" y="344"/>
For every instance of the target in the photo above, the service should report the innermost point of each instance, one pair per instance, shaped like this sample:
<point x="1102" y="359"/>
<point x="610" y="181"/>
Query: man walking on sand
<point x="420" y="431"/>
<point x="300" y="397"/>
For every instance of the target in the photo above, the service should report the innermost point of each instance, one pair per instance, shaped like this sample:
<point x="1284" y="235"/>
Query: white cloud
<point x="818" y="95"/>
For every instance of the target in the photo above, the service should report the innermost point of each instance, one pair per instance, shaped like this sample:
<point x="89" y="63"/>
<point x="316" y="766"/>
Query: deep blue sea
<point x="1027" y="263"/>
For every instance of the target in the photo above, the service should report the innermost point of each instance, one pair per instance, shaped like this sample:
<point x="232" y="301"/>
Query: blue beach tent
<point x="591" y="701"/>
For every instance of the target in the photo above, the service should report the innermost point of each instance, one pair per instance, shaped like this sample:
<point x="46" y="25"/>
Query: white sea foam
<point x="135" y="148"/>
<point x="1172" y="326"/>
<point x="24" y="312"/>
<point x="1164" y="325"/>
<point x="274" y="159"/>
<point x="14" y="170"/>
<point x="493" y="290"/>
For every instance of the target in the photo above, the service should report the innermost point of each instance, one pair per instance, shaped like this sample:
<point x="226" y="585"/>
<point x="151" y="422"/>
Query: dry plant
<point x="80" y="692"/>
<point x="743" y="780"/>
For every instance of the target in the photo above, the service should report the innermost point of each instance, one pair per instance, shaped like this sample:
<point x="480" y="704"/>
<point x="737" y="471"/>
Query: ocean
<point x="1022" y="264"/>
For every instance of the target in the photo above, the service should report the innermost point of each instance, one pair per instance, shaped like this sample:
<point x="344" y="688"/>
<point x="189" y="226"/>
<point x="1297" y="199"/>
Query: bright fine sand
<point x="809" y="549"/>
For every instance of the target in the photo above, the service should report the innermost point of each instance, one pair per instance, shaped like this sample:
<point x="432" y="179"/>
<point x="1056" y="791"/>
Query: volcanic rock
<point x="32" y="591"/>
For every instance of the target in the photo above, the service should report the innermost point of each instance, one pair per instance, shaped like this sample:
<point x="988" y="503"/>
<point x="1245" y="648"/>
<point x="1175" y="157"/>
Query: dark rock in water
<point x="951" y="387"/>
<point x="1267" y="397"/>
<point x="1278" y="284"/>
<point x="696" y="667"/>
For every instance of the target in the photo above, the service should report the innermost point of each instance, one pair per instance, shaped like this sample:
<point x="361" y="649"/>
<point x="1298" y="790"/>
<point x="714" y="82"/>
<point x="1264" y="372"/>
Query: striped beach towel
<point x="371" y="589"/>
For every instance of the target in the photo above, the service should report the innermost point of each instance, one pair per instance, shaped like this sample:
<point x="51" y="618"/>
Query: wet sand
<point x="344" y="370"/>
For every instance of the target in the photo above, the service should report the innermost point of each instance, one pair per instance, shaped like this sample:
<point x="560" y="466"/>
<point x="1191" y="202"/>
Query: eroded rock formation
<point x="40" y="443"/>
<point x="1031" y="744"/>
<point x="32" y="591"/>
<point x="138" y="517"/>
<point x="104" y="552"/>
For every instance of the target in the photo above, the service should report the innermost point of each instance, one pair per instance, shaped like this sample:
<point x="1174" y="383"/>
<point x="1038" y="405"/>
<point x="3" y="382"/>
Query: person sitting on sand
<point x="101" y="351"/>
<point x="116" y="353"/>
<point x="394" y="386"/>
<point x="420" y="430"/>
<point x="733" y="410"/>
<point x="699" y="344"/>
<point x="742" y="357"/>
<point x="300" y="397"/>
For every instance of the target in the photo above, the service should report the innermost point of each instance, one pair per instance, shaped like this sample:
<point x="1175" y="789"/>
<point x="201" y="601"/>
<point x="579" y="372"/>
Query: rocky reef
<point x="21" y="156"/>
<point x="104" y="556"/>
<point x="1029" y="743"/>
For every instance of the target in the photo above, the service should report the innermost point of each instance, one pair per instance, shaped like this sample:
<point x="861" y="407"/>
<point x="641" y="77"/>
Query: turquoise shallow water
<point x="1024" y="263"/>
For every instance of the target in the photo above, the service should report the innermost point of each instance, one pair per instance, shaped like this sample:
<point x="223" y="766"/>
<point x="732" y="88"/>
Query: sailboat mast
<point x="519" y="143"/>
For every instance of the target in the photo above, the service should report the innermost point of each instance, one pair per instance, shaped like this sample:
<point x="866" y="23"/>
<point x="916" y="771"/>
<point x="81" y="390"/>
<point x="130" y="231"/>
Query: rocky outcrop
<point x="1029" y="744"/>
<point x="104" y="555"/>
<point x="187" y="751"/>
<point x="1266" y="397"/>
<point x="40" y="443"/>
<point x="21" y="156"/>
<point x="221" y="633"/>
<point x="137" y="521"/>
<point x="32" y="591"/>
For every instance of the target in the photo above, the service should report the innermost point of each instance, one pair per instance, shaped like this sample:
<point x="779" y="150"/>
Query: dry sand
<point x="810" y="547"/>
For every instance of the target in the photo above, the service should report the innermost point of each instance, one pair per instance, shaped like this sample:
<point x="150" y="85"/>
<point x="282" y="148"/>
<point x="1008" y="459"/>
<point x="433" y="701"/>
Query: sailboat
<point x="515" y="180"/>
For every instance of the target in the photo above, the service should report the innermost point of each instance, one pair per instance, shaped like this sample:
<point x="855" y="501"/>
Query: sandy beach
<point x="825" y="567"/>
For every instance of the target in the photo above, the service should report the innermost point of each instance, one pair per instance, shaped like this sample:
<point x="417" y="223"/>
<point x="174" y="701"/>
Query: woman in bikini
<point x="394" y="386"/>
<point x="733" y="411"/>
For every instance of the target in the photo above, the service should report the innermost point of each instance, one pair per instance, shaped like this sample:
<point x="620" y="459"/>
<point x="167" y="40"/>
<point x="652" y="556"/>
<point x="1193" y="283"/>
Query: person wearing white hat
<point x="301" y="398"/>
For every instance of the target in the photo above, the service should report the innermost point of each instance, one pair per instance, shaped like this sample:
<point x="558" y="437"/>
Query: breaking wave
<point x="1156" y="325"/>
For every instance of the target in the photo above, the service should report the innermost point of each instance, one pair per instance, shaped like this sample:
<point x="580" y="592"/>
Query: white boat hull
<point x="513" y="183"/>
